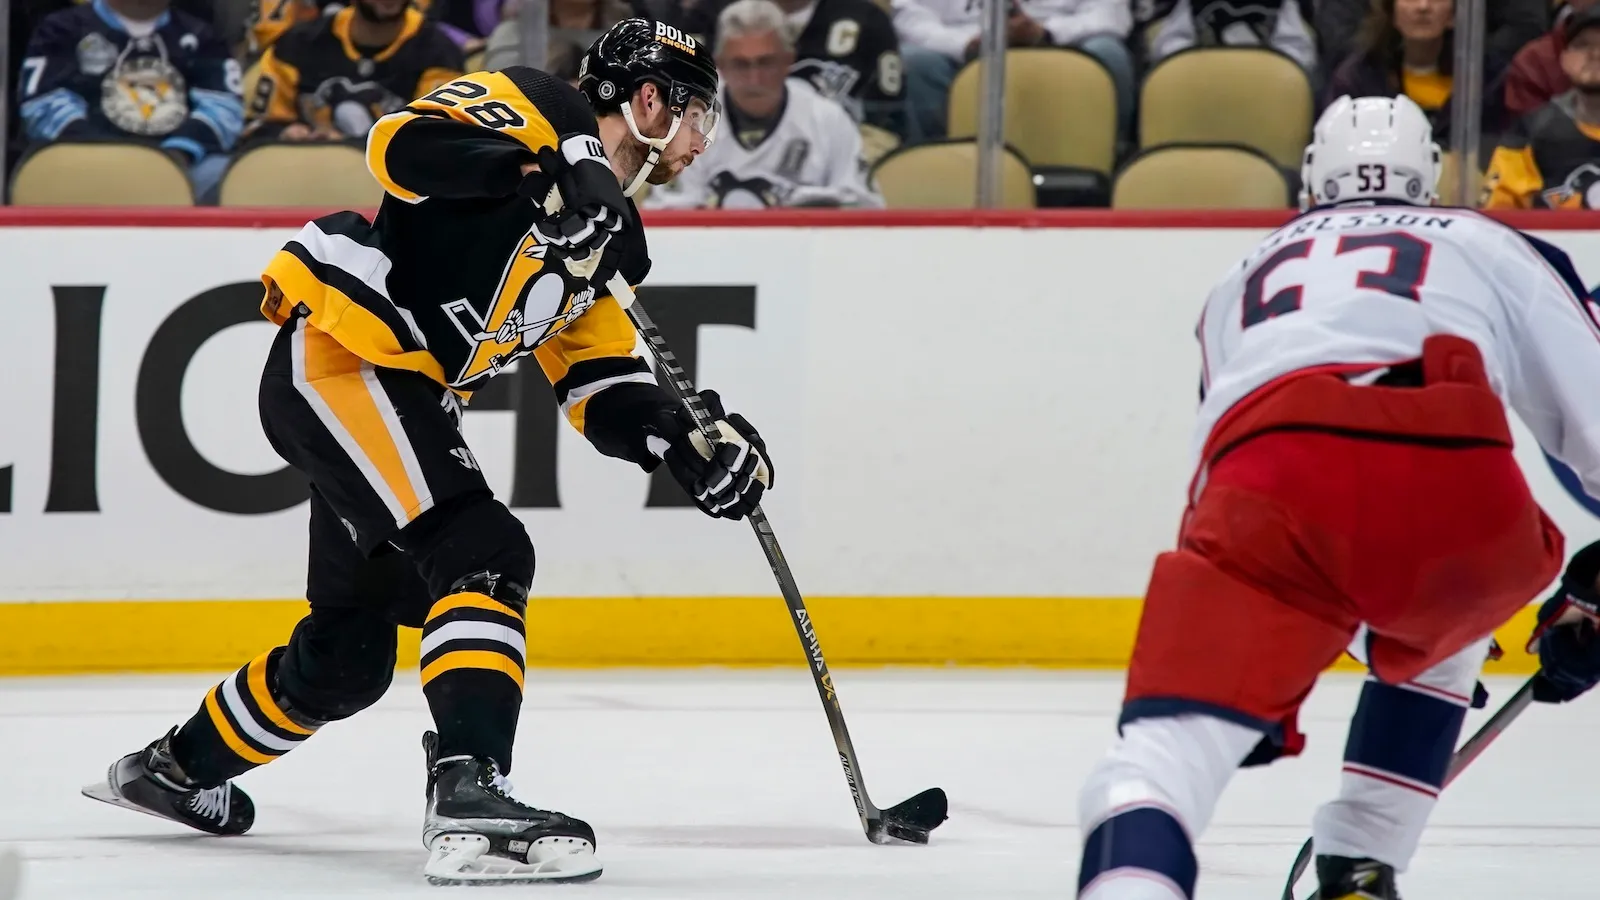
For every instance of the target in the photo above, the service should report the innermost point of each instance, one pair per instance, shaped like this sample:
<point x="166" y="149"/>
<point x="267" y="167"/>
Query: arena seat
<point x="1061" y="114"/>
<point x="944" y="175"/>
<point x="1200" y="177"/>
<point x="329" y="175"/>
<point x="475" y="62"/>
<point x="1228" y="95"/>
<point x="100" y="174"/>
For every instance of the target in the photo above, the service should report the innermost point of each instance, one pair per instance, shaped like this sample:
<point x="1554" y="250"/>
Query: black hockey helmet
<point x="635" y="51"/>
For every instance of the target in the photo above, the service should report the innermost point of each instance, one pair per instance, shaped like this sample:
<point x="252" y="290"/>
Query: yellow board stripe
<point x="231" y="737"/>
<point x="470" y="599"/>
<point x="473" y="659"/>
<point x="589" y="632"/>
<point x="257" y="676"/>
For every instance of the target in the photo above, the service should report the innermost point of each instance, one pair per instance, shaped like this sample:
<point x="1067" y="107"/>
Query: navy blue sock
<point x="1148" y="839"/>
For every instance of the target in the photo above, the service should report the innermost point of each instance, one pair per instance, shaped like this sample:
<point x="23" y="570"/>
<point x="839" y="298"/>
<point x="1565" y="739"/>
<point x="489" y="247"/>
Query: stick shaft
<point x="683" y="389"/>
<point x="1463" y="757"/>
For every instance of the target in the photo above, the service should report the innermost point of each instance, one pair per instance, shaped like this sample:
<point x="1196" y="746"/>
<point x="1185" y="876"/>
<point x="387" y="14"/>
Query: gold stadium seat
<point x="324" y="175"/>
<point x="1178" y="177"/>
<point x="944" y="175"/>
<point x="1061" y="108"/>
<point x="100" y="175"/>
<point x="475" y="62"/>
<point x="1228" y="95"/>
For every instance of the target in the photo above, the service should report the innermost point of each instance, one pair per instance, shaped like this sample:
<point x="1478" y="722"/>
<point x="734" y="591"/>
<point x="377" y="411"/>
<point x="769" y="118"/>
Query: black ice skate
<point x="151" y="781"/>
<point x="1343" y="878"/>
<point x="476" y="833"/>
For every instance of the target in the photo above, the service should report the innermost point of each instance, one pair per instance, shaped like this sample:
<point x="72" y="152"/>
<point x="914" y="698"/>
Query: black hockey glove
<point x="593" y="208"/>
<point x="727" y="482"/>
<point x="1569" y="652"/>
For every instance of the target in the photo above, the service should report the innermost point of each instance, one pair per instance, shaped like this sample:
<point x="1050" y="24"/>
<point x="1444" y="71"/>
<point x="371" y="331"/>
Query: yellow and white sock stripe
<point x="469" y="630"/>
<point x="249" y="720"/>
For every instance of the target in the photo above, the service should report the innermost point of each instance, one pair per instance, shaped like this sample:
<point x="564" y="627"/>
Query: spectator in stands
<point x="1536" y="75"/>
<point x="850" y="53"/>
<point x="1551" y="159"/>
<point x="938" y="36"/>
<point x="467" y="22"/>
<point x="783" y="143"/>
<point x="1406" y="48"/>
<point x="574" y="25"/>
<point x="136" y="71"/>
<point x="330" y="79"/>
<point x="1508" y="25"/>
<point x="1173" y="25"/>
<point x="270" y="19"/>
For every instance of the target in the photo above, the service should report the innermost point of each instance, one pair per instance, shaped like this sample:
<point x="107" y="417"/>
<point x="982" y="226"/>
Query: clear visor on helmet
<point x="703" y="118"/>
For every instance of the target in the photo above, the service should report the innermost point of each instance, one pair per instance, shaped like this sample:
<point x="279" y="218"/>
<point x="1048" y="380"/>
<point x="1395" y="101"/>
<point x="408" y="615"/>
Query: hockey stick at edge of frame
<point x="1463" y="757"/>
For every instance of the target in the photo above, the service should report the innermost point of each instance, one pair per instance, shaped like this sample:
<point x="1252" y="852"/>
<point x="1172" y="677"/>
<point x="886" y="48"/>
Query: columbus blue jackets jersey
<point x="1361" y="287"/>
<point x="86" y="75"/>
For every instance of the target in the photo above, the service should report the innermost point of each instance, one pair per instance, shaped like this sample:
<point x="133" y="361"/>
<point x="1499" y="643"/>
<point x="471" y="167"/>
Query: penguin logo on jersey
<point x="529" y="307"/>
<point x="1579" y="190"/>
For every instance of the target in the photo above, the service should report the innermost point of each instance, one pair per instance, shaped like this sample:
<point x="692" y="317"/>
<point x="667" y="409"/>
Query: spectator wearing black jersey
<point x="1508" y="25"/>
<point x="1551" y="158"/>
<point x="1407" y="47"/>
<point x="331" y="78"/>
<point x="133" y="71"/>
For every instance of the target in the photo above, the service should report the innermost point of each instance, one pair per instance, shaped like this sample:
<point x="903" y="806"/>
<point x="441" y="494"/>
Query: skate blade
<point x="105" y="793"/>
<point x="463" y="859"/>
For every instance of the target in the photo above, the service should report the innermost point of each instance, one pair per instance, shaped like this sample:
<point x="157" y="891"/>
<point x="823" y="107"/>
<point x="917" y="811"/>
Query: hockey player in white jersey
<point x="790" y="146"/>
<point x="1353" y="475"/>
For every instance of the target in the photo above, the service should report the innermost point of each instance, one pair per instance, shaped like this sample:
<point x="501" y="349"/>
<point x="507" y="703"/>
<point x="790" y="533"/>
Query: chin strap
<point x="656" y="145"/>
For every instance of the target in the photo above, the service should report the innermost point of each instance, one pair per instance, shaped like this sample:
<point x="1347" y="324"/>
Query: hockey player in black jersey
<point x="385" y="329"/>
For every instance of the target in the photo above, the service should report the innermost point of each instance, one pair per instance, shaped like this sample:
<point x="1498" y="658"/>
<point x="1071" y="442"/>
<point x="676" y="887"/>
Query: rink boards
<point x="980" y="426"/>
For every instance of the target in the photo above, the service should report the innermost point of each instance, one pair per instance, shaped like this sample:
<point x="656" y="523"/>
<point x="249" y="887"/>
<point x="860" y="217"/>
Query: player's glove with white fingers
<point x="593" y="208"/>
<point x="1569" y="651"/>
<point x="726" y="481"/>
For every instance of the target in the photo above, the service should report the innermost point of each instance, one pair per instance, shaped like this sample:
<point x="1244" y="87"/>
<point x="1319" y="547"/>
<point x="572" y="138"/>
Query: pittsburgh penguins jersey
<point x="808" y="155"/>
<point x="849" y="52"/>
<point x="451" y="279"/>
<point x="316" y="74"/>
<point x="1549" y="160"/>
<point x="91" y="73"/>
<point x="1359" y="288"/>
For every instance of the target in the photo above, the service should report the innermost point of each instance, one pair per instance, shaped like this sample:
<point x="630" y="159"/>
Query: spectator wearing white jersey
<point x="1170" y="26"/>
<point x="938" y="36"/>
<point x="781" y="143"/>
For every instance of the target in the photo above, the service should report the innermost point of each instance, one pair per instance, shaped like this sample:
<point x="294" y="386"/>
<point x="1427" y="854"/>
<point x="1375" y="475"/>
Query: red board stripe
<point x="204" y="217"/>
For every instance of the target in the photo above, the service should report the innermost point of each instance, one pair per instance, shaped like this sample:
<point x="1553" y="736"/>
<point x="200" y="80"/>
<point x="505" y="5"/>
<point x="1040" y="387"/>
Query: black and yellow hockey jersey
<point x="452" y="280"/>
<point x="1550" y="160"/>
<point x="316" y="74"/>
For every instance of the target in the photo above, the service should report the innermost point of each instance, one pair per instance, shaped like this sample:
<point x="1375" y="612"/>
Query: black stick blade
<point x="912" y="820"/>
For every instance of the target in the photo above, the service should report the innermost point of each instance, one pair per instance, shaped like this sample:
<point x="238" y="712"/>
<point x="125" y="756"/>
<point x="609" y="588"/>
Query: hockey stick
<point x="1463" y="757"/>
<point x="909" y="821"/>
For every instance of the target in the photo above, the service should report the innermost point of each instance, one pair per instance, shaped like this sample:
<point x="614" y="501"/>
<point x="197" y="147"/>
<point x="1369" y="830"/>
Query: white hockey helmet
<point x="1371" y="148"/>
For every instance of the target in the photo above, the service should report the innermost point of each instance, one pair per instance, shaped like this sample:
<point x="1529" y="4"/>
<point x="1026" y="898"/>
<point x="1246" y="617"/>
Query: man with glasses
<point x="385" y="330"/>
<point x="787" y="145"/>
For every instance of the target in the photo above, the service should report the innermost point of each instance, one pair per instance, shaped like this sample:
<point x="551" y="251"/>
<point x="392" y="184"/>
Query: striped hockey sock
<point x="473" y="652"/>
<point x="240" y="725"/>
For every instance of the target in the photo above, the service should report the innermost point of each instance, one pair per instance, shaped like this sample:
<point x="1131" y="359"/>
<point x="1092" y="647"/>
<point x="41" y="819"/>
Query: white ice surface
<point x="724" y="786"/>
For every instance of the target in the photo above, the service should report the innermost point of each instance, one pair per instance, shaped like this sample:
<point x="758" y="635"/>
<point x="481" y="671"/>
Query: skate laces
<point x="211" y="802"/>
